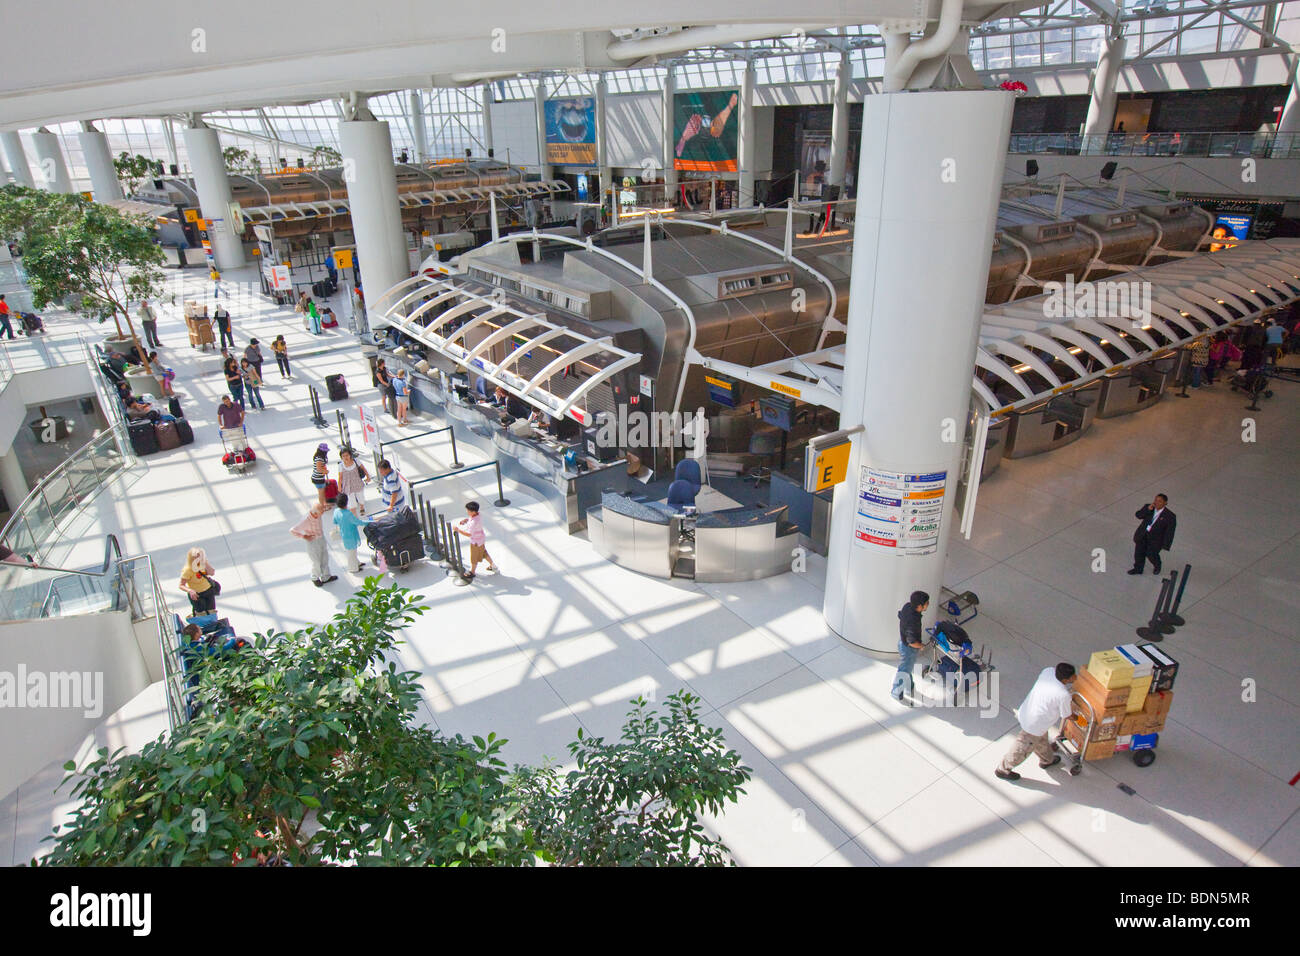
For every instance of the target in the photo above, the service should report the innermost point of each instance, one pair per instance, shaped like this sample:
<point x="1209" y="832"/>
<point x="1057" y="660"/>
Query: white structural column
<point x="540" y="100"/>
<point x="371" y="178"/>
<point x="52" y="169"/>
<point x="99" y="162"/>
<point x="670" y="170"/>
<point x="16" y="158"/>
<point x="929" y="181"/>
<point x="840" y="121"/>
<point x="487" y="119"/>
<point x="602" y="143"/>
<point x="1290" y="122"/>
<point x="746" y="137"/>
<point x="1101" y="108"/>
<point x="418" y="129"/>
<point x="169" y="134"/>
<point x="213" y="186"/>
<point x="12" y="481"/>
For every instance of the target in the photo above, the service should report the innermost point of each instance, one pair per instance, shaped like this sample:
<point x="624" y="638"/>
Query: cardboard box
<point x="1111" y="668"/>
<point x="1142" y="671"/>
<point x="1099" y="696"/>
<point x="1163" y="667"/>
<point x="1158" y="703"/>
<point x="1124" y="742"/>
<point x="1155" y="724"/>
<point x="1134" y="724"/>
<point x="1107" y="727"/>
<point x="1100" y="750"/>
<point x="1137" y="694"/>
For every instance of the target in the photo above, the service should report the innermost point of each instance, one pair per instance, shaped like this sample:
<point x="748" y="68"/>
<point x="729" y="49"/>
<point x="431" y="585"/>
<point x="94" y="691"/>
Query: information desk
<point x="737" y="544"/>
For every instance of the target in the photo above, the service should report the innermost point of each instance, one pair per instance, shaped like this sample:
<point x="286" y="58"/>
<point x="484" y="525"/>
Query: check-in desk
<point x="737" y="544"/>
<point x="1136" y="387"/>
<point x="1052" y="422"/>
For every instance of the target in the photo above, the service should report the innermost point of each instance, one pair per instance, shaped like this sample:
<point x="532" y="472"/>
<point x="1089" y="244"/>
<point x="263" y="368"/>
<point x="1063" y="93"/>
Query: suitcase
<point x="337" y="386"/>
<point x="404" y="552"/>
<point x="331" y="490"/>
<point x="144" y="439"/>
<point x="389" y="528"/>
<point x="185" y="431"/>
<point x="168" y="437"/>
<point x="174" y="405"/>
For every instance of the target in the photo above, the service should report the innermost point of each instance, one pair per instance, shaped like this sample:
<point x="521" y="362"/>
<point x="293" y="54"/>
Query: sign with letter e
<point x="827" y="466"/>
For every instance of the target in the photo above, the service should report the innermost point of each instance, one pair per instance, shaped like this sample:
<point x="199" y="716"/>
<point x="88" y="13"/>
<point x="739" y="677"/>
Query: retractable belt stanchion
<point x="318" y="419"/>
<point x="1151" y="630"/>
<point x="1171" y="615"/>
<point x="1162" y="617"/>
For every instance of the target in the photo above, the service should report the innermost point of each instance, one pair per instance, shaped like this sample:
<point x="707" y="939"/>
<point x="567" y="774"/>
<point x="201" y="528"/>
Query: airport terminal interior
<point x="741" y="333"/>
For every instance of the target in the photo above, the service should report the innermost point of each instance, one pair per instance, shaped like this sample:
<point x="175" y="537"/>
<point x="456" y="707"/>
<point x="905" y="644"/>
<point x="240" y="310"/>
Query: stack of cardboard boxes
<point x="1130" y="689"/>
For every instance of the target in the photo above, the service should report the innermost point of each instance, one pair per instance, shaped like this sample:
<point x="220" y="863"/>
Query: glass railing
<point x="1204" y="145"/>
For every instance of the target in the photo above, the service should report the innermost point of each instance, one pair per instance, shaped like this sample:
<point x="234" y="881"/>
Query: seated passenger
<point x="499" y="397"/>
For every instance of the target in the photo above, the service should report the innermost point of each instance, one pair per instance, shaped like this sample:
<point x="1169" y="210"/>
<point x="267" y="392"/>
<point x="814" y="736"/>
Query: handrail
<point x="110" y="546"/>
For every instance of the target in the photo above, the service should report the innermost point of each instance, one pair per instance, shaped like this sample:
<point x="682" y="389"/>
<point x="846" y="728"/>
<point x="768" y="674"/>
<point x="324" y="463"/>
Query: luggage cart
<point x="1066" y="747"/>
<point x="950" y="648"/>
<point x="234" y="449"/>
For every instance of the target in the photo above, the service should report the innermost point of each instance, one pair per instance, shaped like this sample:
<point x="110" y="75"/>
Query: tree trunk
<point x="144" y="353"/>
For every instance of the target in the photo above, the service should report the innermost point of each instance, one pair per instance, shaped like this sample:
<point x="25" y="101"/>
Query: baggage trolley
<point x="1063" y="745"/>
<point x="234" y="448"/>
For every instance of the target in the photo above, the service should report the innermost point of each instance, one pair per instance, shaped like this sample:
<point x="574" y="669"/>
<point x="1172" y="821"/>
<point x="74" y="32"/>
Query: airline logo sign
<point x="900" y="510"/>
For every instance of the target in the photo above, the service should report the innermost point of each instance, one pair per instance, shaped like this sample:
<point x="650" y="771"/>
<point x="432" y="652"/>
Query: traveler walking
<point x="1046" y="705"/>
<point x="471" y="526"/>
<point x="5" y="327"/>
<point x="314" y="316"/>
<point x="149" y="322"/>
<point x="910" y="640"/>
<point x="215" y="276"/>
<point x="197" y="581"/>
<point x="222" y="318"/>
<point x="234" y="381"/>
<point x="349" y="525"/>
<point x="252" y="383"/>
<point x="253" y="352"/>
<point x="320" y="471"/>
<point x="281" y="349"/>
<point x="353" y="479"/>
<point x="310" y="530"/>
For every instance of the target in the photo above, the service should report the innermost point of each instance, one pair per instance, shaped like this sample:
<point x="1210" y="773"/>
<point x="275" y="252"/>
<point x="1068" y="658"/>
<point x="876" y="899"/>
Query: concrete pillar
<point x="746" y="137"/>
<point x="1101" y="108"/>
<point x="602" y="142"/>
<point x="16" y="158"/>
<point x="169" y="134"/>
<point x="930" y="172"/>
<point x="213" y="186"/>
<point x="840" y="122"/>
<point x="12" y="480"/>
<point x="52" y="168"/>
<point x="367" y="149"/>
<point x="1290" y="121"/>
<point x="670" y="169"/>
<point x="487" y="118"/>
<point x="543" y="167"/>
<point x="99" y="161"/>
<point x="418" y="128"/>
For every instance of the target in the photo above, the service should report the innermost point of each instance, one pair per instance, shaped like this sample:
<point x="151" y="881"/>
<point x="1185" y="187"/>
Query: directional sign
<point x="827" y="467"/>
<point x="369" y="428"/>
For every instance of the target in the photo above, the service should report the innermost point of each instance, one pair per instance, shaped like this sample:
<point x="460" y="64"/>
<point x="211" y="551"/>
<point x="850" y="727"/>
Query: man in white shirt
<point x="1045" y="706"/>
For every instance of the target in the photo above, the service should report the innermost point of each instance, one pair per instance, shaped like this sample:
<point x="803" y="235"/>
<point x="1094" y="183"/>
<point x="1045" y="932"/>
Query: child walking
<point x="471" y="526"/>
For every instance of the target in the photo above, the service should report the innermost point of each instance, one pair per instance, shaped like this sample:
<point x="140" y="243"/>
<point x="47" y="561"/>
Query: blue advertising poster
<point x="571" y="131"/>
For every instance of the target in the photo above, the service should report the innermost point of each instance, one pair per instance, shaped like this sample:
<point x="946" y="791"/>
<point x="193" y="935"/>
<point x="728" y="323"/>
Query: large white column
<point x="52" y="168"/>
<point x="840" y="121"/>
<point x="169" y="134"/>
<point x="602" y="143"/>
<point x="12" y="480"/>
<point x="670" y="170"/>
<point x="1101" y="108"/>
<point x="16" y="158"/>
<point x="746" y="137"/>
<point x="418" y="128"/>
<point x="367" y="149"/>
<point x="213" y="187"/>
<point x="929" y="181"/>
<point x="99" y="162"/>
<point x="543" y="167"/>
<point x="487" y="119"/>
<point x="1290" y="121"/>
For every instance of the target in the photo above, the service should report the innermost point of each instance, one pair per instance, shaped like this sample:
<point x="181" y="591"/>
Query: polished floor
<point x="842" y="774"/>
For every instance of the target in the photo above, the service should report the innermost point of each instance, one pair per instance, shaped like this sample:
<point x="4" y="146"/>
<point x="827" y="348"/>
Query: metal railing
<point x="1204" y="145"/>
<point x="501" y="501"/>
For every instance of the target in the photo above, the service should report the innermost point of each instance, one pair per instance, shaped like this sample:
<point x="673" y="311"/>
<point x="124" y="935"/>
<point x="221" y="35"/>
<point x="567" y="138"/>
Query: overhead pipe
<point x="692" y="37"/>
<point x="912" y="55"/>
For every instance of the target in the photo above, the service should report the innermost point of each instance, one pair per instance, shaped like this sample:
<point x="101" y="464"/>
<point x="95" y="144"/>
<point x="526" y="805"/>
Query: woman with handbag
<point x="353" y="478"/>
<point x="197" y="582"/>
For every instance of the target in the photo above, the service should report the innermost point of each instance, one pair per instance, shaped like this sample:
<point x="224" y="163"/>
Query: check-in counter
<point x="1136" y="387"/>
<point x="1053" y="422"/>
<point x="738" y="544"/>
<point x="810" y="513"/>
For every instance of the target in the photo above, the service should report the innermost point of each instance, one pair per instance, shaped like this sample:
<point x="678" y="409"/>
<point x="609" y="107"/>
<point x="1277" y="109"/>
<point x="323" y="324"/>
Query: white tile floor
<point x="842" y="775"/>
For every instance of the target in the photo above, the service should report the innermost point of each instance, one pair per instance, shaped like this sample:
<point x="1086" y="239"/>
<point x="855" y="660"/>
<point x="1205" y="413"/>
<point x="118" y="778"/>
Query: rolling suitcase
<point x="404" y="552"/>
<point x="168" y="437"/>
<point x="337" y="386"/>
<point x="185" y="431"/>
<point x="331" y="491"/>
<point x="144" y="440"/>
<point x="391" y="527"/>
<point x="174" y="405"/>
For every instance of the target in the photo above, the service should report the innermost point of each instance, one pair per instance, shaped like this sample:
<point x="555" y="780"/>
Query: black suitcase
<point x="404" y="552"/>
<point x="144" y="440"/>
<point x="174" y="405"/>
<point x="392" y="527"/>
<point x="337" y="387"/>
<point x="185" y="431"/>
<point x="168" y="437"/>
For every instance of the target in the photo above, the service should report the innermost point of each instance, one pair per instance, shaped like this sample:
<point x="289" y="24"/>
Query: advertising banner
<point x="899" y="510"/>
<point x="705" y="124"/>
<point x="571" y="131"/>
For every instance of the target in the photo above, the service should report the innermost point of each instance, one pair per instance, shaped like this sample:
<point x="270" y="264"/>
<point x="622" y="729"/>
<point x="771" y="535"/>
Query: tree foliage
<point x="133" y="170"/>
<point x="241" y="162"/>
<point x="305" y="750"/>
<point x="325" y="157"/>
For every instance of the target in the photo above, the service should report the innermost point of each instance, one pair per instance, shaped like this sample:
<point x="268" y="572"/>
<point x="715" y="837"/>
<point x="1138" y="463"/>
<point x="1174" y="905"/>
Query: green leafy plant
<point x="133" y="170"/>
<point x="85" y="255"/>
<point x="323" y="157"/>
<point x="304" y="750"/>
<point x="241" y="162"/>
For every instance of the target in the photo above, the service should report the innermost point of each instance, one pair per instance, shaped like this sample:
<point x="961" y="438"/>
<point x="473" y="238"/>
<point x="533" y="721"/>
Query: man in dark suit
<point x="1155" y="533"/>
